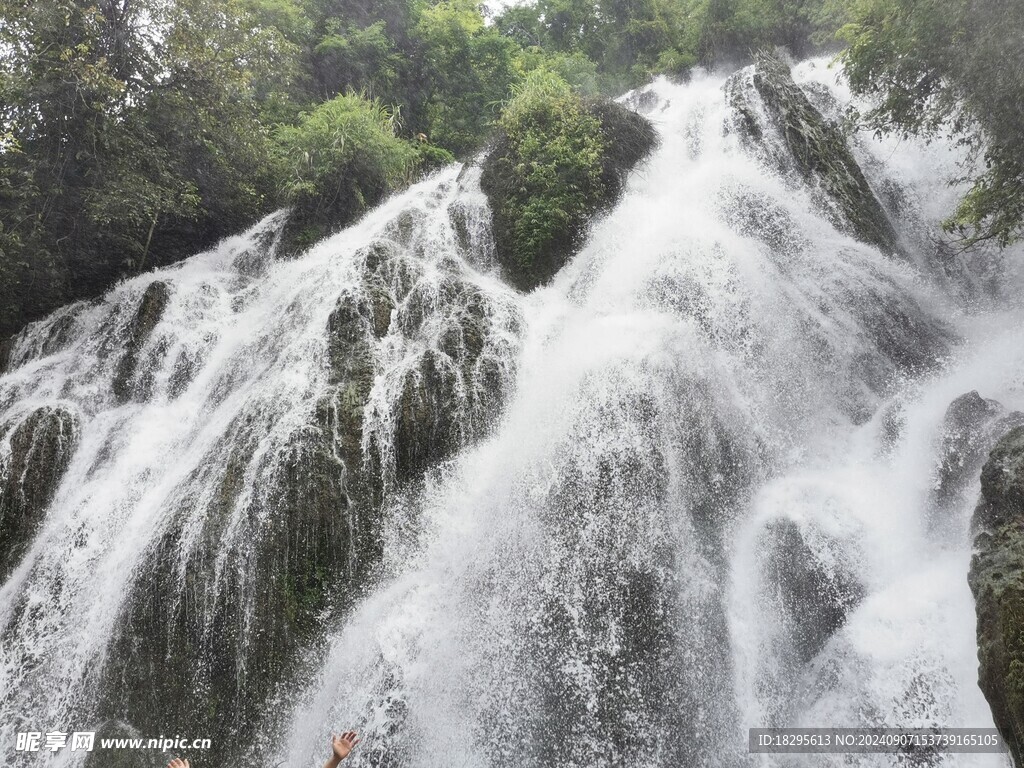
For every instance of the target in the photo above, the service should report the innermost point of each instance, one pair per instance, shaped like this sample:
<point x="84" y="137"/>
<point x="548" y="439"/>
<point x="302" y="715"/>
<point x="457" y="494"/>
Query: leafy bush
<point x="551" y="169"/>
<point x="558" y="159"/>
<point x="341" y="158"/>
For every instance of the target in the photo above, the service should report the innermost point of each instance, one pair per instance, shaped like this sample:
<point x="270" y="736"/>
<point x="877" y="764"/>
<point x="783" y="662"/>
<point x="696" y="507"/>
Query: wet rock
<point x="40" y="339"/>
<point x="909" y="337"/>
<point x="1002" y="483"/>
<point x="643" y="101"/>
<point x="151" y="309"/>
<point x="997" y="581"/>
<point x="454" y="392"/>
<point x="970" y="429"/>
<point x="756" y="215"/>
<point x="216" y="625"/>
<point x="239" y="590"/>
<point x="815" y="593"/>
<point x="814" y="148"/>
<point x="125" y="758"/>
<point x="381" y="307"/>
<point x="254" y="260"/>
<point x="426" y="431"/>
<point x="608" y="640"/>
<point x="247" y="577"/>
<point x="40" y="450"/>
<point x="6" y="348"/>
<point x="892" y="423"/>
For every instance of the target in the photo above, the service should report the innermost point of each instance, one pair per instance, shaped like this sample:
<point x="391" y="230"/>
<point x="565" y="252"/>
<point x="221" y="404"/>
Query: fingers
<point x="178" y="763"/>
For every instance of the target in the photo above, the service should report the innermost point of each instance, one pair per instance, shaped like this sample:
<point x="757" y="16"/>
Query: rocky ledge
<point x="997" y="581"/>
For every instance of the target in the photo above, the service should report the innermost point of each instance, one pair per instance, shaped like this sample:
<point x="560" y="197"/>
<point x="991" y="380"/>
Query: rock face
<point x="814" y="148"/>
<point x="39" y="450"/>
<point x="239" y="589"/>
<point x="970" y="429"/>
<point x="997" y="581"/>
<point x="285" y="539"/>
<point x="151" y="309"/>
<point x="815" y="596"/>
<point x="627" y="138"/>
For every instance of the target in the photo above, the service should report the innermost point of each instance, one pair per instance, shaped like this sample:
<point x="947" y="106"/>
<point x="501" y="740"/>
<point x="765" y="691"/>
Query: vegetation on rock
<point x="557" y="160"/>
<point x="340" y="159"/>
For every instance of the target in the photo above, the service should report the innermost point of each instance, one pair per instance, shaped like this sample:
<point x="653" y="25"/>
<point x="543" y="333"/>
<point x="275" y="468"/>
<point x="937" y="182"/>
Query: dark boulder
<point x="41" y="448"/>
<point x="1002" y="483"/>
<point x="815" y="594"/>
<point x="151" y="308"/>
<point x="970" y="429"/>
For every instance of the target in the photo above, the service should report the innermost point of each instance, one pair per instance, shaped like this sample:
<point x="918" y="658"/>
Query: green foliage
<point x="467" y="67"/>
<point x="360" y="59"/>
<point x="557" y="151"/>
<point x="133" y="133"/>
<point x="950" y="65"/>
<point x="550" y="171"/>
<point x="133" y="138"/>
<point x="624" y="39"/>
<point x="342" y="157"/>
<point x="627" y="41"/>
<point x="431" y="156"/>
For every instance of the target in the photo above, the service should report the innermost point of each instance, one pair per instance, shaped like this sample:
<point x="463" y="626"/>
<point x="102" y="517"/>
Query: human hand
<point x="344" y="744"/>
<point x="178" y="763"/>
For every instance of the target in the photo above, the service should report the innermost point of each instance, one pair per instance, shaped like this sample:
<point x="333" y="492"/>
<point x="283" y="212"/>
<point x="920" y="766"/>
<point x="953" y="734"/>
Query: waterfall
<point x="685" y="489"/>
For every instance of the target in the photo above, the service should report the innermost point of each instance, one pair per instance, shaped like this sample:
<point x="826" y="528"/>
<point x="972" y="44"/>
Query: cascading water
<point x="686" y="489"/>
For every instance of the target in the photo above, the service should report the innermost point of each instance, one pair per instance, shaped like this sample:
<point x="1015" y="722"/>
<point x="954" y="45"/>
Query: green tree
<point x="341" y="158"/>
<point x="467" y="67"/>
<point x="134" y="135"/>
<point x="952" y="66"/>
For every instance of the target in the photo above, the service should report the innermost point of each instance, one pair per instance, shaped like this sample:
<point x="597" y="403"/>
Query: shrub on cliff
<point x="557" y="160"/>
<point x="341" y="158"/>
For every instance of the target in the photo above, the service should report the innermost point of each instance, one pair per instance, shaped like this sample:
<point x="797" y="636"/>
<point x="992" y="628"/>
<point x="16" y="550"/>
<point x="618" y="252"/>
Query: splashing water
<point x="684" y="490"/>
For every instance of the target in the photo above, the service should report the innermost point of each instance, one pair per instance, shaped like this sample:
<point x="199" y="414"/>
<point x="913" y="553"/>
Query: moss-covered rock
<point x="246" y="578"/>
<point x="557" y="161"/>
<point x="446" y="398"/>
<point x="1002" y="483"/>
<point x="39" y="450"/>
<point x="815" y="148"/>
<point x="997" y="581"/>
<point x="151" y="309"/>
<point x="237" y="594"/>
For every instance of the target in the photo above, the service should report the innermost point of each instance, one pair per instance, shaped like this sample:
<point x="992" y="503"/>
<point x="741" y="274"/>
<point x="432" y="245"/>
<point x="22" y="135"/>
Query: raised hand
<point x="344" y="744"/>
<point x="178" y="763"/>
